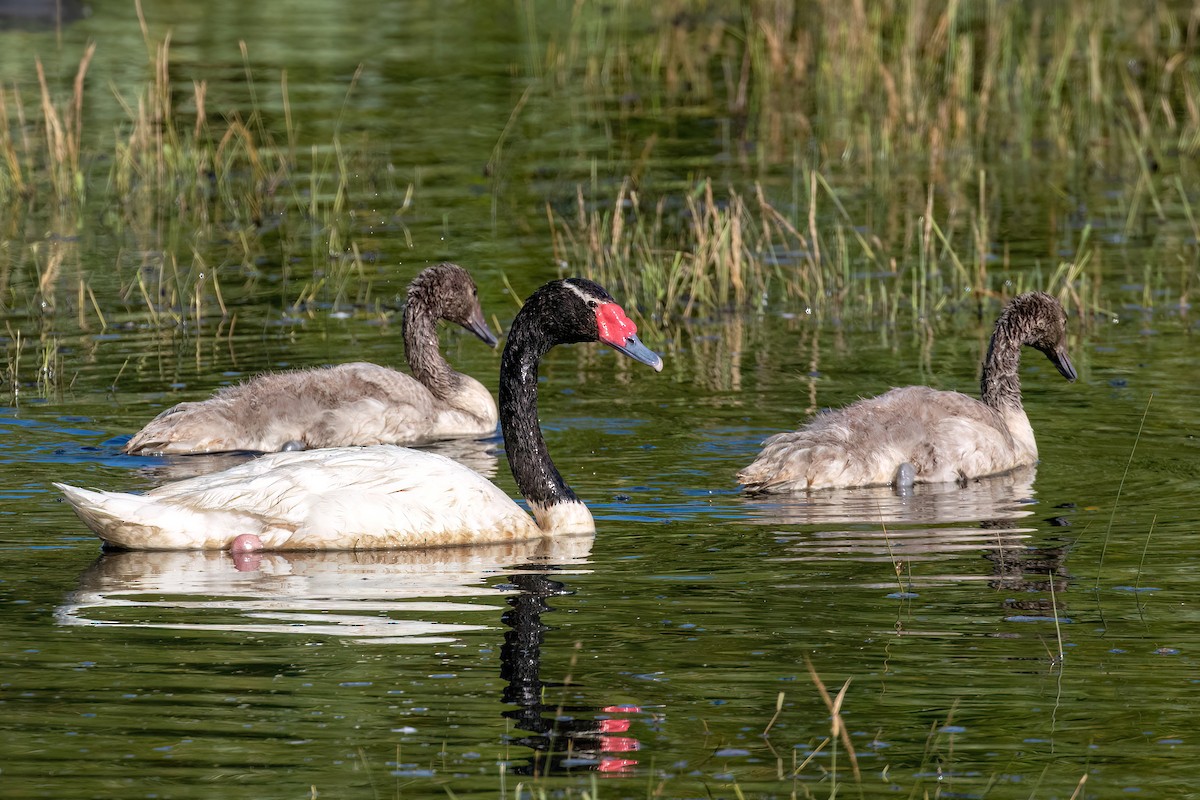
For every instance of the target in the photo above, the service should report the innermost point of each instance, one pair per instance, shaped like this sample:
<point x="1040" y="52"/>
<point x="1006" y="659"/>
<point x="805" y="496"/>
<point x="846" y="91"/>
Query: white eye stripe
<point x="584" y="296"/>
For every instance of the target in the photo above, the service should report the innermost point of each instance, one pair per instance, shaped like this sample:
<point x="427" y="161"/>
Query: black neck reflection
<point x="563" y="738"/>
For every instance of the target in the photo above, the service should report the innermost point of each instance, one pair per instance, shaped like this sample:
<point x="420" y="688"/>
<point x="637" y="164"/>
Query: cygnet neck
<point x="421" y="346"/>
<point x="1000" y="384"/>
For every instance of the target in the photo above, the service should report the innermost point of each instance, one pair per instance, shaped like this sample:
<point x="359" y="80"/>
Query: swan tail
<point x="140" y="522"/>
<point x="801" y="460"/>
<point x="181" y="429"/>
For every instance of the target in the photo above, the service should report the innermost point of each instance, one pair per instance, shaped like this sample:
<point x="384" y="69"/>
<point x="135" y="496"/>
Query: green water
<point x="670" y="656"/>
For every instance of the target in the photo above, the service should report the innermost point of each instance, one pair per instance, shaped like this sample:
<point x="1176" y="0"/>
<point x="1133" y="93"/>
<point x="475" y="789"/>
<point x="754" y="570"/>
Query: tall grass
<point x="911" y="130"/>
<point x="203" y="199"/>
<point x="879" y="154"/>
<point x="53" y="158"/>
<point x="952" y="83"/>
<point x="706" y="252"/>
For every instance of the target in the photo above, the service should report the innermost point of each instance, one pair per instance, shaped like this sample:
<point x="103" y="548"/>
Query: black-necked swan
<point x="921" y="435"/>
<point x="346" y="404"/>
<point x="385" y="496"/>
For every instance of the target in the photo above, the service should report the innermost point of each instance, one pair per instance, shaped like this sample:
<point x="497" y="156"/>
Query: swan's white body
<point x="361" y="498"/>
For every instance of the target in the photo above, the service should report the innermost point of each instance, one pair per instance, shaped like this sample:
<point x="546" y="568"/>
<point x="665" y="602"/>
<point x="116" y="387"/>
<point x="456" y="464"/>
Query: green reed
<point x="881" y="147"/>
<point x="202" y="197"/>
<point x="704" y="251"/>
<point x="950" y="82"/>
<point x="948" y="112"/>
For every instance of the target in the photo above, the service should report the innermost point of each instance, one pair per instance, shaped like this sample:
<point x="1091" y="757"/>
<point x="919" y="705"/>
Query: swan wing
<point x="343" y="405"/>
<point x="339" y="499"/>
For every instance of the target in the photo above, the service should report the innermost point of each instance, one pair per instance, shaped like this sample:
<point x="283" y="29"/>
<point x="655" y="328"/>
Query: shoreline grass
<point x="951" y="113"/>
<point x="883" y="151"/>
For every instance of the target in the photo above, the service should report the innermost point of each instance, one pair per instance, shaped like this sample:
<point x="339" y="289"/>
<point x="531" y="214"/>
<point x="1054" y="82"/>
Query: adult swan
<point x="385" y="496"/>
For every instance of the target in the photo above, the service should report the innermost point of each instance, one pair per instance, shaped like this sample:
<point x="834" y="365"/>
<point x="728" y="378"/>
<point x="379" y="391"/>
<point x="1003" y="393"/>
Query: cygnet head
<point x="1038" y="320"/>
<point x="448" y="291"/>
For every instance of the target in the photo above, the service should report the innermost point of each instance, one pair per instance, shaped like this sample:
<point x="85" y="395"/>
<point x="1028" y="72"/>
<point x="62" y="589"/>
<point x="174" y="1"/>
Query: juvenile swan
<point x="921" y="435"/>
<point x="347" y="404"/>
<point x="385" y="496"/>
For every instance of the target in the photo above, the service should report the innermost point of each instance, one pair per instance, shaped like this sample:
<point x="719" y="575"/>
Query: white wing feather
<point x="338" y="499"/>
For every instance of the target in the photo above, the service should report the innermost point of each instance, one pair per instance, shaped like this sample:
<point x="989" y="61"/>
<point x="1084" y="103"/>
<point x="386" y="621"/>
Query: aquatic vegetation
<point x="913" y="133"/>
<point x="206" y="201"/>
<point x="700" y="254"/>
<point x="878" y="159"/>
<point x="955" y="84"/>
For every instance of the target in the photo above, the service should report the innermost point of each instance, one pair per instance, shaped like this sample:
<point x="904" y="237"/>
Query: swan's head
<point x="579" y="310"/>
<point x="1038" y="320"/>
<point x="449" y="292"/>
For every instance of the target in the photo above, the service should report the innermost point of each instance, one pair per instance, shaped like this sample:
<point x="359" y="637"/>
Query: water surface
<point x="1008" y="638"/>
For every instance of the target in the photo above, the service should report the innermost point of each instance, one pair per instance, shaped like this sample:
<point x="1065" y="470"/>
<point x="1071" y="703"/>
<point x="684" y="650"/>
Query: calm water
<point x="652" y="657"/>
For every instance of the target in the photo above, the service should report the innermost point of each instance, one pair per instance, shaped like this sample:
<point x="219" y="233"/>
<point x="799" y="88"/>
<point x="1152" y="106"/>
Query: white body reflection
<point x="372" y="596"/>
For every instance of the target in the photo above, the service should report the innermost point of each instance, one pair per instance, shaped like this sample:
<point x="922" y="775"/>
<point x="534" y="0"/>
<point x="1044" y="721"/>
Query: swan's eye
<point x="593" y="303"/>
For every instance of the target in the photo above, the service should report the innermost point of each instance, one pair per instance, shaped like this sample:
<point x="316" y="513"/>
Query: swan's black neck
<point x="1000" y="386"/>
<point x="537" y="478"/>
<point x="421" y="347"/>
<point x="528" y="340"/>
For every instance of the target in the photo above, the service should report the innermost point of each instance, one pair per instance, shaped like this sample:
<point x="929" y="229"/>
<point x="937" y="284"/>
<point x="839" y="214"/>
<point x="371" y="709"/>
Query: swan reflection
<point x="562" y="736"/>
<point x="337" y="593"/>
<point x="1001" y="497"/>
<point x="930" y="522"/>
<point x="385" y="597"/>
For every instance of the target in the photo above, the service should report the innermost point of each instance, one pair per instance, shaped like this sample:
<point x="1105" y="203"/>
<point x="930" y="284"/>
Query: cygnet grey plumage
<point x="921" y="435"/>
<point x="347" y="404"/>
